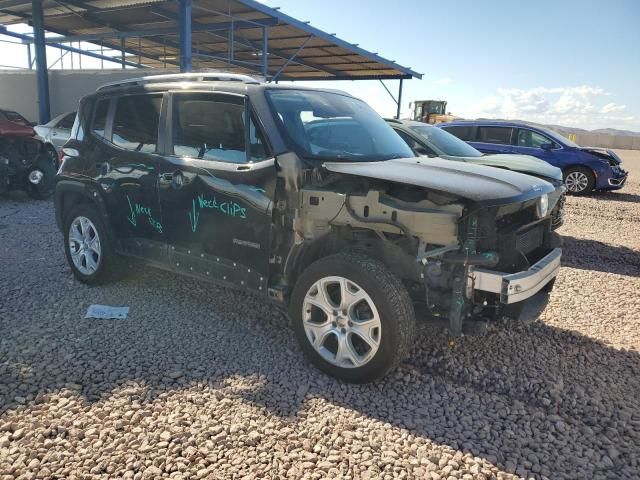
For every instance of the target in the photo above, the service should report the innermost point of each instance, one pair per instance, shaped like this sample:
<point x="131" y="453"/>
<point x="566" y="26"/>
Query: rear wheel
<point x="579" y="180"/>
<point x="353" y="318"/>
<point x="87" y="245"/>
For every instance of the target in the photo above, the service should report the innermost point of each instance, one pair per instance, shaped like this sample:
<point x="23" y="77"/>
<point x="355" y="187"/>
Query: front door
<point x="216" y="187"/>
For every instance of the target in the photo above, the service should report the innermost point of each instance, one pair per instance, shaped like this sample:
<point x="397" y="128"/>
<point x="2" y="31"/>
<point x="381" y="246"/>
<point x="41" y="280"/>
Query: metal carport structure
<point x="242" y="36"/>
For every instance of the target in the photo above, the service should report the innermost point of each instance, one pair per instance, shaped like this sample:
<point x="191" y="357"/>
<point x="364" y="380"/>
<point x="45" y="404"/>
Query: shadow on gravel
<point x="549" y="401"/>
<point x="617" y="196"/>
<point x="593" y="255"/>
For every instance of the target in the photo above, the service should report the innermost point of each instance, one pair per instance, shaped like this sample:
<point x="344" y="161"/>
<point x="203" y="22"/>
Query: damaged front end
<point x="466" y="244"/>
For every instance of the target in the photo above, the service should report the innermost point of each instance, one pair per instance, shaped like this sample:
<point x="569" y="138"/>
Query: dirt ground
<point x="204" y="382"/>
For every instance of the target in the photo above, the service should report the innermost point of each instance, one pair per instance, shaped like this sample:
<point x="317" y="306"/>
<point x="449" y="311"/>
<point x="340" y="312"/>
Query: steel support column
<point x="265" y="52"/>
<point x="44" y="112"/>
<point x="399" y="100"/>
<point x="185" y="35"/>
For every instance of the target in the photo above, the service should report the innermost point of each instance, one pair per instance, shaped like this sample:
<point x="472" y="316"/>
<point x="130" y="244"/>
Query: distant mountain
<point x="614" y="131"/>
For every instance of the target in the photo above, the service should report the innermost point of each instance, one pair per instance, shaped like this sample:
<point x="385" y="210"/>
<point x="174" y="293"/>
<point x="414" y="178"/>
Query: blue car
<point x="585" y="169"/>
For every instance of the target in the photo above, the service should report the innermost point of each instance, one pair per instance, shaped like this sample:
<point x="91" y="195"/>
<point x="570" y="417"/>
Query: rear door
<point x="494" y="139"/>
<point x="216" y="186"/>
<point x="123" y="153"/>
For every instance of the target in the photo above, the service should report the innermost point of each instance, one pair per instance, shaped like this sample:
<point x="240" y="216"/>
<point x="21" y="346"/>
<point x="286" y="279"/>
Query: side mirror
<point x="547" y="146"/>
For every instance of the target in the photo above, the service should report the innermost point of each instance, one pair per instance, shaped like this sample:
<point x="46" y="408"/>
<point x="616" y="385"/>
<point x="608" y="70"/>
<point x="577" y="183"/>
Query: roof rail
<point x="181" y="77"/>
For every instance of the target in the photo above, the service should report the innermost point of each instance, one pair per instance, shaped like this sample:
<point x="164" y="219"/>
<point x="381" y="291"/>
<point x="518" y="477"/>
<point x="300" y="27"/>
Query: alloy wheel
<point x="84" y="245"/>
<point x="576" y="182"/>
<point x="341" y="322"/>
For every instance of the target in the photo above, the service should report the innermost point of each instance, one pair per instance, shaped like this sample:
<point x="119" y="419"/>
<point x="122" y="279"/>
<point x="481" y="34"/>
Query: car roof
<point x="218" y="81"/>
<point x="493" y="123"/>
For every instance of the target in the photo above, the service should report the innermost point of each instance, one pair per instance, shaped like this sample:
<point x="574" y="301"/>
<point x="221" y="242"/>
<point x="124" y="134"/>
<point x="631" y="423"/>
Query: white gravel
<point x="204" y="382"/>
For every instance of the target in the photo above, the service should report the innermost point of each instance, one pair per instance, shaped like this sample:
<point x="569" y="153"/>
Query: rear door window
<point x="499" y="135"/>
<point x="67" y="121"/>
<point x="135" y="123"/>
<point x="463" y="132"/>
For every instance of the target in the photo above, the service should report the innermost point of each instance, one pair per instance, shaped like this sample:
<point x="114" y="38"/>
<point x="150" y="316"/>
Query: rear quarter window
<point x="99" y="123"/>
<point x="463" y="132"/>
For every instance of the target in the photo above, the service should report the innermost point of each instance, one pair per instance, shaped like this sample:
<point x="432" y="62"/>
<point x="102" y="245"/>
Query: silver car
<point x="55" y="133"/>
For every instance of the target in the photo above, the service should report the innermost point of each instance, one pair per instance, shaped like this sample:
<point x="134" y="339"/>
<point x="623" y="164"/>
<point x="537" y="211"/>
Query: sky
<point x="568" y="62"/>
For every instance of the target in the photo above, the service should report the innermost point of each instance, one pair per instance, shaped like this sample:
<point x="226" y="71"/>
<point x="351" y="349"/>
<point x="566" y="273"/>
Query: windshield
<point x="560" y="138"/>
<point x="444" y="142"/>
<point x="330" y="126"/>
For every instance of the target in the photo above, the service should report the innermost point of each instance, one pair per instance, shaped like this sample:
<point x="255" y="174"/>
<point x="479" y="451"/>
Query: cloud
<point x="613" y="107"/>
<point x="580" y="106"/>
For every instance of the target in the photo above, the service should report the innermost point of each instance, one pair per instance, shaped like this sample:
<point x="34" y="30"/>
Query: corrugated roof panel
<point x="324" y="55"/>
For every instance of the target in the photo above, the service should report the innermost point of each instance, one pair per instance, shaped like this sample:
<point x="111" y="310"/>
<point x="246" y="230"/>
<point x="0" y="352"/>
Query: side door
<point x="494" y="139"/>
<point x="217" y="185"/>
<point x="124" y="158"/>
<point x="530" y="142"/>
<point x="61" y="132"/>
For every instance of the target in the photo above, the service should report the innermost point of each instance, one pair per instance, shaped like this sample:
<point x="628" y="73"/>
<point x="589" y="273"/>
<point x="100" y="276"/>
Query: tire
<point x="44" y="189"/>
<point x="579" y="181"/>
<point x="103" y="257"/>
<point x="52" y="155"/>
<point x="390" y="332"/>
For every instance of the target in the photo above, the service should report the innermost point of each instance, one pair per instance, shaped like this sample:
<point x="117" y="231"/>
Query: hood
<point x="477" y="183"/>
<point x="519" y="163"/>
<point x="604" y="154"/>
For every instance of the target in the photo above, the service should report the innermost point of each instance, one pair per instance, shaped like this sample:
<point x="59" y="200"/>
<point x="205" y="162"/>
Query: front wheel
<point x="41" y="179"/>
<point x="353" y="318"/>
<point x="579" y="180"/>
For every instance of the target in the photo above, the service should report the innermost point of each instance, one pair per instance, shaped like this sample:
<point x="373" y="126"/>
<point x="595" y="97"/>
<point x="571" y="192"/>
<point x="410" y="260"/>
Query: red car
<point x="24" y="163"/>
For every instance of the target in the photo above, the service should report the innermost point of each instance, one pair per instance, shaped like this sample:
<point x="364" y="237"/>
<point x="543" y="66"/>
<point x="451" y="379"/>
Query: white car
<point x="55" y="133"/>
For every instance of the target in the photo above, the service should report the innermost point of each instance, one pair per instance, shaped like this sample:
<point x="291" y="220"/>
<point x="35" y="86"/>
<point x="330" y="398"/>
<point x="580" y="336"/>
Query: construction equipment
<point x="430" y="111"/>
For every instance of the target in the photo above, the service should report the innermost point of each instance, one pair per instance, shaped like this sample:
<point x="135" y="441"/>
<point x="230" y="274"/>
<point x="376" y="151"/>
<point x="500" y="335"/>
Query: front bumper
<point x="612" y="180"/>
<point x="516" y="287"/>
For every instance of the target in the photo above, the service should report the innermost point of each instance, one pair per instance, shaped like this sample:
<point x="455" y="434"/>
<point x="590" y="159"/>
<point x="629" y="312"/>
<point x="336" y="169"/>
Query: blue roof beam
<point x="154" y="32"/>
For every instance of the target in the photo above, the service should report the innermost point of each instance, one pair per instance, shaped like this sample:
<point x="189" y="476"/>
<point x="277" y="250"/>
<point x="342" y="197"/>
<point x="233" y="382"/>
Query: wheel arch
<point x="364" y="241"/>
<point x="580" y="165"/>
<point x="73" y="192"/>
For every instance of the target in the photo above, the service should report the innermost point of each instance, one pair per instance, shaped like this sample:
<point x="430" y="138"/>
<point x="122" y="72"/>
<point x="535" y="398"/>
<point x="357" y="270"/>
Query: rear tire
<point x="579" y="180"/>
<point x="353" y="318"/>
<point x="87" y="245"/>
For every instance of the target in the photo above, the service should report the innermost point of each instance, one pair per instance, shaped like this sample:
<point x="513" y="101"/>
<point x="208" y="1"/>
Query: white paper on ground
<point x="106" y="311"/>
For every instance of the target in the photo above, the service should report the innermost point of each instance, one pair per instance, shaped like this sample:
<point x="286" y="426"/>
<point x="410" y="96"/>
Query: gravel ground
<point x="204" y="382"/>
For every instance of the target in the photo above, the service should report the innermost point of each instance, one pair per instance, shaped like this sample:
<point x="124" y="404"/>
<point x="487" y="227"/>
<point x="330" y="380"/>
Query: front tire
<point x="579" y="181"/>
<point x="87" y="245"/>
<point x="45" y="187"/>
<point x="353" y="318"/>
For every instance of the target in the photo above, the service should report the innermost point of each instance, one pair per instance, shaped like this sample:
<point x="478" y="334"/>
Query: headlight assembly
<point x="543" y="206"/>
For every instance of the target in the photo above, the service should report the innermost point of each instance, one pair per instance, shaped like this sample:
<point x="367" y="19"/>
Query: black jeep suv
<point x="308" y="197"/>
